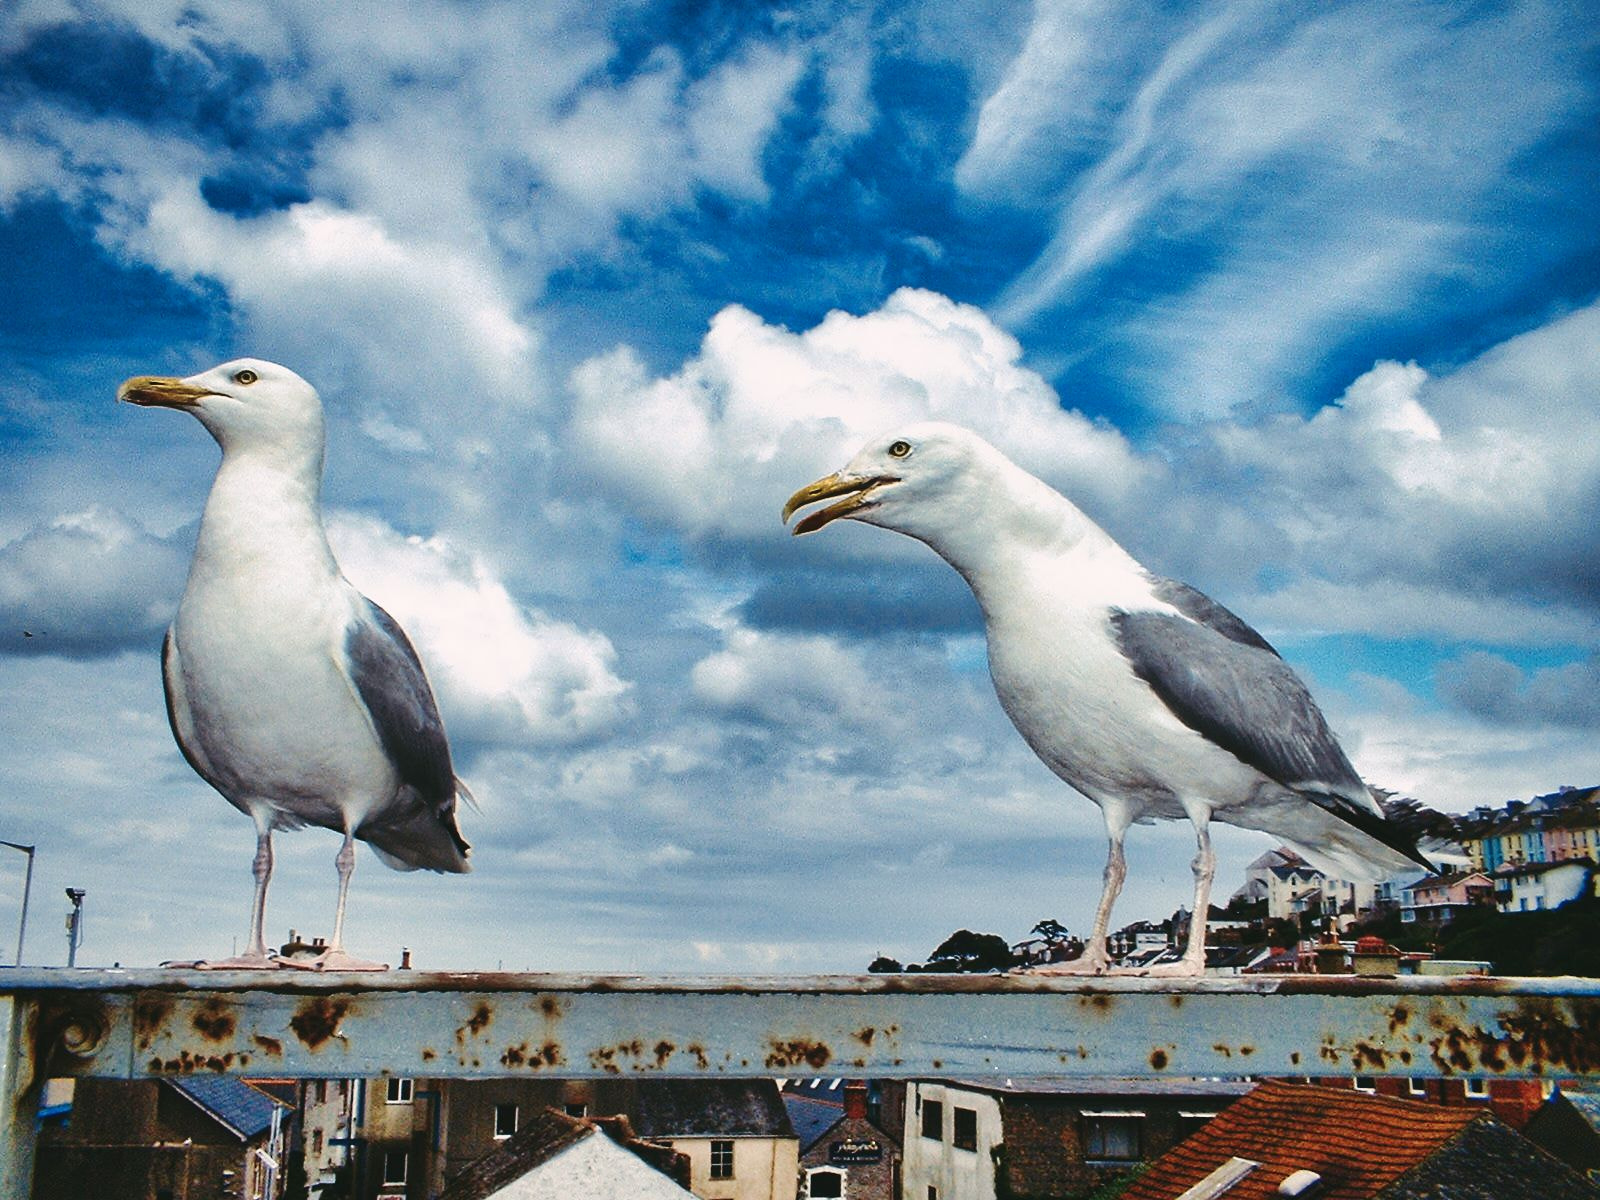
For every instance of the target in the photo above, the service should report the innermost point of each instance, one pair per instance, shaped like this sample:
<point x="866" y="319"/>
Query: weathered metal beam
<point x="132" y="1024"/>
<point x="151" y="1023"/>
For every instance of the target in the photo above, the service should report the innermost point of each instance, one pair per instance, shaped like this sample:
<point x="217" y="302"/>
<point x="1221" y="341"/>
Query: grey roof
<point x="1587" y="1105"/>
<point x="811" y="1118"/>
<point x="701" y="1108"/>
<point x="1104" y="1085"/>
<point x="543" y="1137"/>
<point x="1488" y="1161"/>
<point x="232" y="1102"/>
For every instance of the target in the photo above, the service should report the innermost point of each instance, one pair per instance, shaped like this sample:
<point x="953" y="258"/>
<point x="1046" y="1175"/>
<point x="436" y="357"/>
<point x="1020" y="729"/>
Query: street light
<point x="27" y="886"/>
<point x="75" y="924"/>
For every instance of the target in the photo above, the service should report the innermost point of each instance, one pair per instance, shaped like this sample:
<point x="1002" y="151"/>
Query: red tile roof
<point x="1358" y="1143"/>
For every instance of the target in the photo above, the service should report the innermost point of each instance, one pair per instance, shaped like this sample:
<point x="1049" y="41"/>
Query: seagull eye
<point x="899" y="449"/>
<point x="245" y="377"/>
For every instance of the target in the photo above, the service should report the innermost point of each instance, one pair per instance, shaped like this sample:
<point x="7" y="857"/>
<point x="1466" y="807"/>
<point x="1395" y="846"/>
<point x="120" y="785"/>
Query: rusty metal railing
<point x="148" y="1023"/>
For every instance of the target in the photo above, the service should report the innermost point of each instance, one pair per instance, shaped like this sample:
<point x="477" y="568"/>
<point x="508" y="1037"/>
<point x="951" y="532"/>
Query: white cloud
<point x="504" y="672"/>
<point x="88" y="583"/>
<point x="773" y="409"/>
<point x="789" y="681"/>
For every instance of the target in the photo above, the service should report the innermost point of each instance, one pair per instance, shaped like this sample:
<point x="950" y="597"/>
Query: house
<point x="556" y="1157"/>
<point x="1287" y="1139"/>
<point x="1045" y="1137"/>
<point x="413" y="1137"/>
<point x="1292" y="887"/>
<point x="1439" y="899"/>
<point x="1568" y="1126"/>
<point x="197" y="1137"/>
<point x="1534" y="886"/>
<point x="1512" y="1101"/>
<point x="843" y="1151"/>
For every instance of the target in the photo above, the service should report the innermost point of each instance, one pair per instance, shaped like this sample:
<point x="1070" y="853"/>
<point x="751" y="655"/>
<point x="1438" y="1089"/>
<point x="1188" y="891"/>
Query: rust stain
<point x="605" y="1059"/>
<point x="213" y="1021"/>
<point x="1177" y="1000"/>
<point x="699" y="1052"/>
<point x="1541" y="1034"/>
<point x="1247" y="1051"/>
<point x="514" y="1056"/>
<point x="1225" y="1051"/>
<point x="550" y="1007"/>
<point x="1365" y="1053"/>
<point x="664" y="1051"/>
<point x="1294" y="1058"/>
<point x="1099" y="1001"/>
<point x="865" y="1036"/>
<point x="1398" y="1017"/>
<point x="270" y="1044"/>
<point x="801" y="1050"/>
<point x="428" y="1055"/>
<point x="480" y="1018"/>
<point x="318" y="1020"/>
<point x="1158" y="1060"/>
<point x="188" y="1064"/>
<point x="150" y="1015"/>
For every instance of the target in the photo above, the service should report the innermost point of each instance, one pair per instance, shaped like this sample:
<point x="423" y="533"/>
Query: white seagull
<point x="1142" y="693"/>
<point x="288" y="691"/>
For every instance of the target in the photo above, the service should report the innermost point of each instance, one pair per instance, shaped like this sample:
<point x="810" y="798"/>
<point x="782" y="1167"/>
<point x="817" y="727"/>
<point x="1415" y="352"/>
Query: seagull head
<point x="246" y="404"/>
<point x="915" y="480"/>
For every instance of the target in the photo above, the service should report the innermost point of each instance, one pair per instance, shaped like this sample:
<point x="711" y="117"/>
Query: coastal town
<point x="1391" y="1136"/>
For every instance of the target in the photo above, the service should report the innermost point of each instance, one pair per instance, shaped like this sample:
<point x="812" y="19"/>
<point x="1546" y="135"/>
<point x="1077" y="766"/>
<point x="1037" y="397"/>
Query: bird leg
<point x="257" y="957"/>
<point x="335" y="958"/>
<point x="1094" y="959"/>
<point x="1193" y="961"/>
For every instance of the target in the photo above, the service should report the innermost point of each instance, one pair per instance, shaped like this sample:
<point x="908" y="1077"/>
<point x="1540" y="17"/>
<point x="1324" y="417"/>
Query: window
<point x="933" y="1120"/>
<point x="1417" y="1087"/>
<point x="394" y="1166"/>
<point x="1111" y="1138"/>
<point x="576" y="1110"/>
<point x="505" y="1120"/>
<point x="399" y="1092"/>
<point x="721" y="1159"/>
<point x="966" y="1128"/>
<point x="825" y="1184"/>
<point x="1477" y="1089"/>
<point x="316" y="1143"/>
<point x="322" y="1091"/>
<point x="1366" y="1083"/>
<point x="933" y="1192"/>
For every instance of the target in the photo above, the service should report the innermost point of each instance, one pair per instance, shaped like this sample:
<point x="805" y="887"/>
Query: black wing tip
<point x="1380" y="829"/>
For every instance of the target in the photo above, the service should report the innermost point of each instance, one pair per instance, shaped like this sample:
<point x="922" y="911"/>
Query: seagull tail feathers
<point x="1380" y="830"/>
<point x="420" y="838"/>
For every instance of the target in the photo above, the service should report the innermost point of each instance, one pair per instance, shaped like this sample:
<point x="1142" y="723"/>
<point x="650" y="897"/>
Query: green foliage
<point x="966" y="951"/>
<point x="1560" y="941"/>
<point x="1115" y="1186"/>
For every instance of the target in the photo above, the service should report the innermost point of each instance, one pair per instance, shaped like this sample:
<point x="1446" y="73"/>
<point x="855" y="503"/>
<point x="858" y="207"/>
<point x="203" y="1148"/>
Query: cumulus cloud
<point x="774" y="409"/>
<point x="1496" y="690"/>
<point x="505" y="673"/>
<point x="785" y="681"/>
<point x="87" y="584"/>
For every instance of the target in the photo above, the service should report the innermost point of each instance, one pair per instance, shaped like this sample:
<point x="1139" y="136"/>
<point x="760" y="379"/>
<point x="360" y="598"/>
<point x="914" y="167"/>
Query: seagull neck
<point x="1013" y="523"/>
<point x="262" y="509"/>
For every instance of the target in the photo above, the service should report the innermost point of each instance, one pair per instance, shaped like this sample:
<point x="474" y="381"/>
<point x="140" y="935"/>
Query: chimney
<point x="855" y="1100"/>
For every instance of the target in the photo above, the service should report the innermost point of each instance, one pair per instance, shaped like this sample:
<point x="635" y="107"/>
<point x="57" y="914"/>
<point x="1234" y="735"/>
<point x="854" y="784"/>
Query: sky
<point x="1300" y="302"/>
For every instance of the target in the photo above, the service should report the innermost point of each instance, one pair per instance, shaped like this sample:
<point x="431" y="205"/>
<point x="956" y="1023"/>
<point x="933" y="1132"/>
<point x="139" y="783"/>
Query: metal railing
<point x="132" y="1024"/>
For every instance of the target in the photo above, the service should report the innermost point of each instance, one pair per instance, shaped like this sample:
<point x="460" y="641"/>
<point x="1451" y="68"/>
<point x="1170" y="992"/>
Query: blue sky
<point x="1301" y="302"/>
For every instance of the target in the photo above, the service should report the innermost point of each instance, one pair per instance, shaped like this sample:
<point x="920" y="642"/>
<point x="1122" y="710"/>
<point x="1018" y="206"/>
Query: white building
<point x="1531" y="887"/>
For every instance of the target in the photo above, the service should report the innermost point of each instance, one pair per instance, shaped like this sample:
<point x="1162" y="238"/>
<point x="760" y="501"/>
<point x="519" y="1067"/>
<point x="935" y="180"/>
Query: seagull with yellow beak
<point x="288" y="691"/>
<point x="1145" y="695"/>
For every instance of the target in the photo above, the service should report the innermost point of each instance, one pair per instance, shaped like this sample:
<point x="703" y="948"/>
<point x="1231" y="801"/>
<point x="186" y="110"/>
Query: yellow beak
<point x="855" y="489"/>
<point x="160" y="391"/>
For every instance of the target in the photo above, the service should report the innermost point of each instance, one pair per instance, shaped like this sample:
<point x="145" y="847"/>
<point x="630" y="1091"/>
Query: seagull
<point x="1145" y="695"/>
<point x="287" y="690"/>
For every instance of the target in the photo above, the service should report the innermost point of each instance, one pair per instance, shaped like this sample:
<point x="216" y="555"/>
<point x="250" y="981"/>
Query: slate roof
<point x="233" y="1103"/>
<point x="1103" y="1085"/>
<point x="546" y="1135"/>
<point x="669" y="1108"/>
<point x="1364" y="1148"/>
<point x="811" y="1118"/>
<point x="1587" y="1104"/>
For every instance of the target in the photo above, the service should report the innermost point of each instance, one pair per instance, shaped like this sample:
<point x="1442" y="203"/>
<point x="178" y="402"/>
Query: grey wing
<point x="390" y="680"/>
<point x="1240" y="696"/>
<point x="1196" y="605"/>
<point x="1244" y="698"/>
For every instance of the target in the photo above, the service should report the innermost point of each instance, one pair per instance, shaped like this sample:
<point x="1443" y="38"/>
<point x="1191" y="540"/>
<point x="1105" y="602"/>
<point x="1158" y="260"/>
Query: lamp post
<point x="27" y="887"/>
<point x="74" y="924"/>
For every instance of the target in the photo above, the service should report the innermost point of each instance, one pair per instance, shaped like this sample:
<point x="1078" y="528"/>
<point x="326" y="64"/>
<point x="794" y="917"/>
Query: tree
<point x="966" y="951"/>
<point x="1050" y="929"/>
<point x="884" y="965"/>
